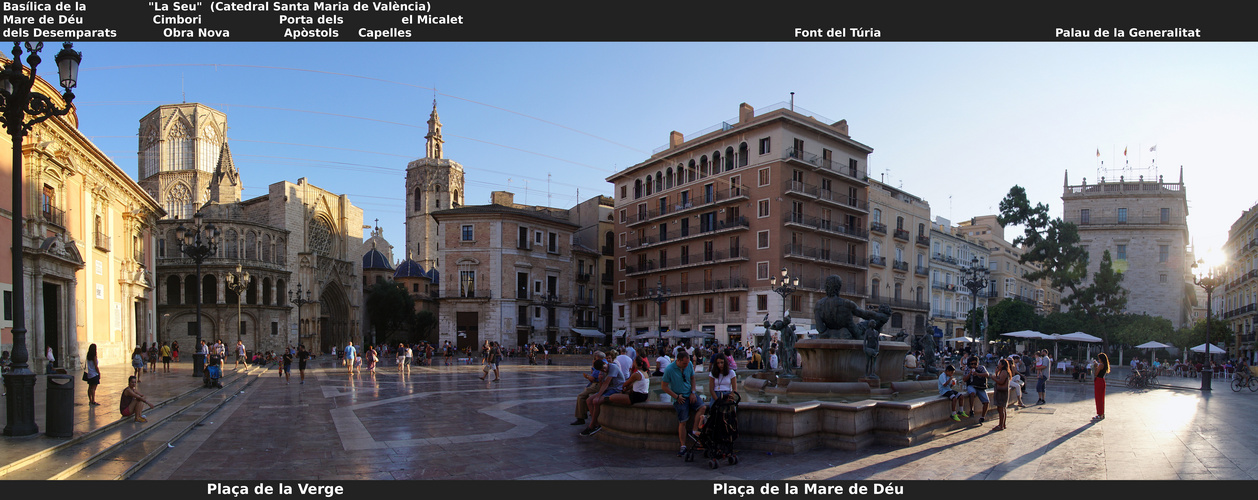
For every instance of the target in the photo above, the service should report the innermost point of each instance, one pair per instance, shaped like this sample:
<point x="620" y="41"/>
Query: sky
<point x="957" y="124"/>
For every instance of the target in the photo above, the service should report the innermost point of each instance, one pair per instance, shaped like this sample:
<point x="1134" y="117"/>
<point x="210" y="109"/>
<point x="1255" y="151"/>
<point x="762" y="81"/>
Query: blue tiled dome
<point x="410" y="269"/>
<point x="373" y="259"/>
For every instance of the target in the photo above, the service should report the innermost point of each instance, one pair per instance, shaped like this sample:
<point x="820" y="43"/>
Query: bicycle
<point x="1137" y="380"/>
<point x="1240" y="381"/>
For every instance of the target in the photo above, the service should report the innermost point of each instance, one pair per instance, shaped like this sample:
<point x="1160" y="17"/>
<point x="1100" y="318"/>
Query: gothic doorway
<point x="333" y="322"/>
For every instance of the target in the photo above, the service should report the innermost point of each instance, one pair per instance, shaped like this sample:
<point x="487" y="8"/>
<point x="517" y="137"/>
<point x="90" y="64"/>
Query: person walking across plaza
<point x="303" y="355"/>
<point x="92" y="375"/>
<point x="286" y="369"/>
<point x="241" y="355"/>
<point x="137" y="362"/>
<point x="350" y="357"/>
<point x="1098" y="384"/>
<point x="51" y="360"/>
<point x="174" y="351"/>
<point x="1041" y="374"/>
<point x="164" y="352"/>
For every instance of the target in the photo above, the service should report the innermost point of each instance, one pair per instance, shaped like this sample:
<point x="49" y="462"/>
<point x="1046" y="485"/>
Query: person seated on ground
<point x="129" y="403"/>
<point x="597" y="369"/>
<point x="611" y="384"/>
<point x="678" y="382"/>
<point x="910" y="361"/>
<point x="661" y="363"/>
<point x="947" y="388"/>
<point x="636" y="388"/>
<point x="976" y="386"/>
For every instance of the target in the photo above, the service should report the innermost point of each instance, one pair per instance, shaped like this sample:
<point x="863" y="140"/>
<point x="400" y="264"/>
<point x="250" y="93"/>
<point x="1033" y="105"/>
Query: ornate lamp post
<point x="1207" y="278"/>
<point x="974" y="277"/>
<point x="199" y="243"/>
<point x="22" y="110"/>
<point x="785" y="289"/>
<point x="238" y="283"/>
<point x="300" y="300"/>
<point x="659" y="295"/>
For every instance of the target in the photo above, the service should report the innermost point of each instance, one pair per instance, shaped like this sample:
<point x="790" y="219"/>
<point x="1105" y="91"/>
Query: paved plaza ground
<point x="442" y="422"/>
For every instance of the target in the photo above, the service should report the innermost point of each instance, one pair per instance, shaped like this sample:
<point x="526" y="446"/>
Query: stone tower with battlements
<point x="432" y="183"/>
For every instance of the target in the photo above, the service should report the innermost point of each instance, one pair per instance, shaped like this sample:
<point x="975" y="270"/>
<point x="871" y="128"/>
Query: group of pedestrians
<point x="1008" y="383"/>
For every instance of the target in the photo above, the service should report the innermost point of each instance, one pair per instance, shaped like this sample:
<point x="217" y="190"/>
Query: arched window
<point x="899" y="222"/>
<point x="251" y="246"/>
<point x="209" y="289"/>
<point x="703" y="166"/>
<point x="266" y="291"/>
<point x="190" y="289"/>
<point x="179" y="202"/>
<point x="729" y="158"/>
<point x="873" y="288"/>
<point x="281" y="293"/>
<point x="668" y="178"/>
<point x="251" y="293"/>
<point x="690" y="176"/>
<point x="681" y="174"/>
<point x="659" y="181"/>
<point x="649" y="185"/>
<point x="321" y="240"/>
<point x="231" y="245"/>
<point x="266" y="248"/>
<point x="637" y="188"/>
<point x="172" y="290"/>
<point x="419" y="199"/>
<point x="742" y="154"/>
<point x="716" y="162"/>
<point x="179" y="148"/>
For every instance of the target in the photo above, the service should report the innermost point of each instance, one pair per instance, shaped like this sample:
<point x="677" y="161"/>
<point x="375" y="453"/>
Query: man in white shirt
<point x="910" y="361"/>
<point x="625" y="362"/>
<point x="661" y="363"/>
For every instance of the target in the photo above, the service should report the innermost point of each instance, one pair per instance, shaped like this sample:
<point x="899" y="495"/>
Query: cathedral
<point x="295" y="237"/>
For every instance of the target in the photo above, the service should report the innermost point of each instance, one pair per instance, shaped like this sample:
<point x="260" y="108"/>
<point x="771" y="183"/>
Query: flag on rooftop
<point x="1153" y="148"/>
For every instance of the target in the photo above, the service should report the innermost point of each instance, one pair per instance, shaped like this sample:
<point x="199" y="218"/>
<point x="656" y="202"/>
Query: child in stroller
<point x="718" y="432"/>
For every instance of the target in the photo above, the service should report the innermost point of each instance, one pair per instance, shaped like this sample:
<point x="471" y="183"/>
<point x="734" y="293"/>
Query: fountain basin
<point x="791" y="428"/>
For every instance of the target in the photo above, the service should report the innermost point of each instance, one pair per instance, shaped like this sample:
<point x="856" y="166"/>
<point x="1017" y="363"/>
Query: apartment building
<point x="1240" y="289"/>
<point x="899" y="238"/>
<point x="711" y="220"/>
<point x="951" y="252"/>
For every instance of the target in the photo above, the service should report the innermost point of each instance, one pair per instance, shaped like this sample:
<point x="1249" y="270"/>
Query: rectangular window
<point x="733" y="304"/>
<point x="8" y="305"/>
<point x="621" y="309"/>
<point x="1164" y="253"/>
<point x="1122" y="216"/>
<point x="796" y="303"/>
<point x="762" y="302"/>
<point x="1085" y="216"/>
<point x="1162" y="278"/>
<point x="762" y="176"/>
<point x="708" y="306"/>
<point x="622" y="216"/>
<point x="685" y="307"/>
<point x="762" y="270"/>
<point x="621" y="288"/>
<point x="552" y="243"/>
<point x="1166" y="215"/>
<point x="522" y="239"/>
<point x="1122" y="252"/>
<point x="762" y="240"/>
<point x="467" y="232"/>
<point x="624" y="192"/>
<point x="764" y="146"/>
<point x="762" y="208"/>
<point x="275" y="328"/>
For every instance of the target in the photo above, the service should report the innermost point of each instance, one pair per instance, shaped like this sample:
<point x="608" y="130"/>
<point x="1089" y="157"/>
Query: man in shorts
<point x="947" y="386"/>
<point x="302" y="356"/>
<point x="351" y="357"/>
<point x="678" y="383"/>
<point x="240" y="355"/>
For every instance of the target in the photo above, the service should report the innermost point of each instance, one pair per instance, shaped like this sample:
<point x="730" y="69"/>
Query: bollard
<point x="59" y="412"/>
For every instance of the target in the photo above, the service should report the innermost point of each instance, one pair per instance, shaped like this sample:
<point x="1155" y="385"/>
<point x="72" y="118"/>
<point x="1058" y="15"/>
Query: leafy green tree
<point x="1011" y="315"/>
<point x="424" y="327"/>
<point x="389" y="308"/>
<point x="1054" y="245"/>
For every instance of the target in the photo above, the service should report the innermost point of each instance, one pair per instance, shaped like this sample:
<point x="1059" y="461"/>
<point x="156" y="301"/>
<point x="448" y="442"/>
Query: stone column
<point x="38" y="340"/>
<point x="72" y="335"/>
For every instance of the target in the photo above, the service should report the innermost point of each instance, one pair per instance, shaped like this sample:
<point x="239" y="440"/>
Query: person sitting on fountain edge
<point x="947" y="386"/>
<point x="976" y="385"/>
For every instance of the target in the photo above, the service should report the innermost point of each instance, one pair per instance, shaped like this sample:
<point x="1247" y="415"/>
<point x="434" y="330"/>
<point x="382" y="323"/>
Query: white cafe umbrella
<point x="1214" y="349"/>
<point x="1152" y="345"/>
<point x="960" y="339"/>
<point x="1080" y="337"/>
<point x="1025" y="334"/>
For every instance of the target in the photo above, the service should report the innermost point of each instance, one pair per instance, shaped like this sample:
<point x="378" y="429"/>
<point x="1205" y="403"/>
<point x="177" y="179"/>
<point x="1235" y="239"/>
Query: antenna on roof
<point x="792" y="101"/>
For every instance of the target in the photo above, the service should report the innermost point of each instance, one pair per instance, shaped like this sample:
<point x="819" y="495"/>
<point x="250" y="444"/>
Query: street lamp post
<point x="1207" y="278"/>
<point x="22" y="109"/>
<point x="238" y="283"/>
<point x="974" y="278"/>
<point x="660" y="296"/>
<point x="199" y="242"/>
<point x="787" y="287"/>
<point x="299" y="300"/>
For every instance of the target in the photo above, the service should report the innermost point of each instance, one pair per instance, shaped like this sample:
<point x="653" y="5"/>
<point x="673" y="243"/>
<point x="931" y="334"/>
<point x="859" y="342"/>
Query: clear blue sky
<point x="957" y="124"/>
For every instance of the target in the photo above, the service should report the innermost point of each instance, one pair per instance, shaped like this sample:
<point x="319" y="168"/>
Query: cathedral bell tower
<point x="432" y="183"/>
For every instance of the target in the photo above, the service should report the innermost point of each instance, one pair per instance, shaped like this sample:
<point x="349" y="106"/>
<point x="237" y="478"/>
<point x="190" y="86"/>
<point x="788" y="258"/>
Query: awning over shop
<point x="587" y="333"/>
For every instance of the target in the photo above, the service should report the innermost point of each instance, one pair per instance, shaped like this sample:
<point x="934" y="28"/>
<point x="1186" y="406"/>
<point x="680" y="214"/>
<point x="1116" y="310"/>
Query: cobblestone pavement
<point x="442" y="422"/>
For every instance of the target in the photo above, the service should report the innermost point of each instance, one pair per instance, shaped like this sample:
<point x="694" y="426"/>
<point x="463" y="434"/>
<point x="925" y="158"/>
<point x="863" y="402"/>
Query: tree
<point x="424" y="327"/>
<point x="1053" y="244"/>
<point x="389" y="308"/>
<point x="1010" y="315"/>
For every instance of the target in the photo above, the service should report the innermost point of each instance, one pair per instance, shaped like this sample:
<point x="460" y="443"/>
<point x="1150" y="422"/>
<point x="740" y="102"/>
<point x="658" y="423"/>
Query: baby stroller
<point x="213" y="372"/>
<point x="719" y="433"/>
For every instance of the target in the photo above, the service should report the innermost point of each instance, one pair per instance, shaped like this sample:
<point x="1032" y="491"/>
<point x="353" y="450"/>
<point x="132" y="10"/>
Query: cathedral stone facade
<point x="295" y="235"/>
